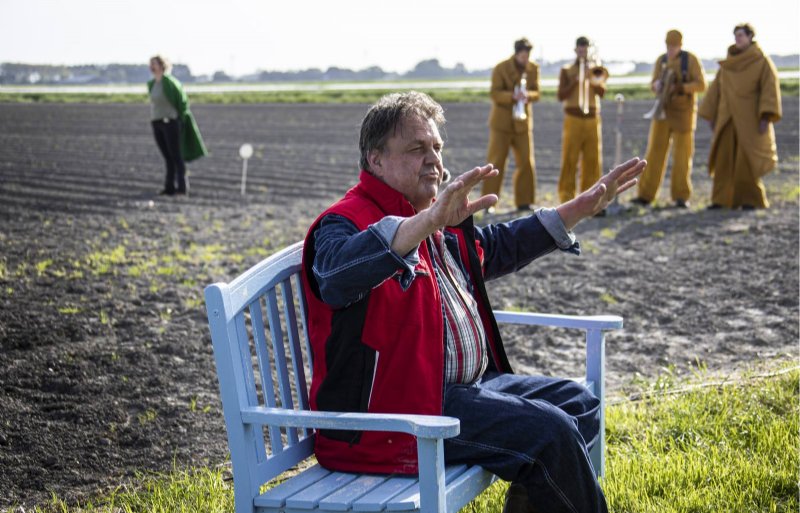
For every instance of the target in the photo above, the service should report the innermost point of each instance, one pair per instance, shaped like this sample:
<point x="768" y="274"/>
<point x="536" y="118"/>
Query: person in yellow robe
<point x="507" y="130"/>
<point x="582" y="135"/>
<point x="677" y="127"/>
<point x="741" y="105"/>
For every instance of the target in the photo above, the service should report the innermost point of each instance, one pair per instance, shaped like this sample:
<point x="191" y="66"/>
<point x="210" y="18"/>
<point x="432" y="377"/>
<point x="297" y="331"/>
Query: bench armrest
<point x="421" y="426"/>
<point x="602" y="322"/>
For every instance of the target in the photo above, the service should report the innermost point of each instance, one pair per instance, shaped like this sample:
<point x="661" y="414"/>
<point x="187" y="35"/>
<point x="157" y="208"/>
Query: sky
<point x="244" y="36"/>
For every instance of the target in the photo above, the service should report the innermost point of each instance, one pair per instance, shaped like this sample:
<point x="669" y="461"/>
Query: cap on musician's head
<point x="522" y="45"/>
<point x="582" y="41"/>
<point x="674" y="38"/>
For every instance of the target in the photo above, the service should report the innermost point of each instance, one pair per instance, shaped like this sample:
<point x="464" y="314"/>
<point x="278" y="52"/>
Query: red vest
<point x="385" y="353"/>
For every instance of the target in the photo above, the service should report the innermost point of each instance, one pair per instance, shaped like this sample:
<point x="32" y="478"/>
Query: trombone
<point x="598" y="75"/>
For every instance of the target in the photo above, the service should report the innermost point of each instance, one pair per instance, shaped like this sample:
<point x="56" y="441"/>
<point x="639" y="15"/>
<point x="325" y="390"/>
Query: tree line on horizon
<point x="25" y="74"/>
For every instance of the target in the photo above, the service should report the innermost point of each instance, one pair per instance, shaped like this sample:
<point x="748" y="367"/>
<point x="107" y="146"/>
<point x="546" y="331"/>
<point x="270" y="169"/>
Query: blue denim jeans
<point x="531" y="430"/>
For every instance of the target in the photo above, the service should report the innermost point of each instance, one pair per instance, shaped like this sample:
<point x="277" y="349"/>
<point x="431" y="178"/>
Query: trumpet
<point x="597" y="76"/>
<point x="657" y="112"/>
<point x="518" y="112"/>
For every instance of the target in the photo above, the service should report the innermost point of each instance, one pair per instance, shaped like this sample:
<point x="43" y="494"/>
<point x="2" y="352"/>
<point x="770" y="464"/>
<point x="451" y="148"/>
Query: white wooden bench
<point x="263" y="360"/>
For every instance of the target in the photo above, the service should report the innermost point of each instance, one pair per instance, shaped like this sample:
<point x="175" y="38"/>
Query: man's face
<point x="581" y="51"/>
<point x="522" y="57"/>
<point x="673" y="51"/>
<point x="742" y="39"/>
<point x="411" y="161"/>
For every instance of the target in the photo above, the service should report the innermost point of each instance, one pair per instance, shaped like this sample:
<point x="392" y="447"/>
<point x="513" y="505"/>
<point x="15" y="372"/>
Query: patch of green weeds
<point x="193" y="302"/>
<point x="69" y="310"/>
<point x="147" y="416"/>
<point x="658" y="234"/>
<point x="608" y="299"/>
<point x="590" y="247"/>
<point x="42" y="266"/>
<point x="608" y="233"/>
<point x="101" y="262"/>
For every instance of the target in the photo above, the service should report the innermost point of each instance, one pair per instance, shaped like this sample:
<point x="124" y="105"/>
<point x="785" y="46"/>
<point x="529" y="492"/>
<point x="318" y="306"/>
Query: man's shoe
<point x="602" y="213"/>
<point x="165" y="192"/>
<point x="714" y="206"/>
<point x="524" y="208"/>
<point x="681" y="204"/>
<point x="180" y="192"/>
<point x="640" y="201"/>
<point x="748" y="207"/>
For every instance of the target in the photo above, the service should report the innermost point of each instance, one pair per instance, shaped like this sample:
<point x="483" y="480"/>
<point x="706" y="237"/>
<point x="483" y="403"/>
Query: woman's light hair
<point x="163" y="62"/>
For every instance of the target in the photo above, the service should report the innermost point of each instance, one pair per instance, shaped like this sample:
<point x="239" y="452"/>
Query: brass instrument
<point x="519" y="112"/>
<point x="666" y="79"/>
<point x="597" y="76"/>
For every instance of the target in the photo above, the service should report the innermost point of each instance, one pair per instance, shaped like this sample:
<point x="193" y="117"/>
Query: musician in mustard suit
<point x="507" y="132"/>
<point x="582" y="136"/>
<point x="687" y="78"/>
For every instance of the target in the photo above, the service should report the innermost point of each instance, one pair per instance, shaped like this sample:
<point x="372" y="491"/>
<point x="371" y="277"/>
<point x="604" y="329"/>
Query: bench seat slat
<point x="276" y="497"/>
<point x="309" y="497"/>
<point x="409" y="498"/>
<point x="377" y="499"/>
<point x="342" y="500"/>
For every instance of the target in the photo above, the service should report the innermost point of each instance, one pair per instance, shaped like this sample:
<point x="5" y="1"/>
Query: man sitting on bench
<point x="400" y="322"/>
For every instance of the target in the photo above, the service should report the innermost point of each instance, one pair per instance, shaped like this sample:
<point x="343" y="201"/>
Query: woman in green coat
<point x="174" y="127"/>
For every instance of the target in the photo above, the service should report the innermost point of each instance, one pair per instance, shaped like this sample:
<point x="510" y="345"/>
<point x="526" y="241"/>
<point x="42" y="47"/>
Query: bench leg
<point x="431" y="475"/>
<point x="595" y="372"/>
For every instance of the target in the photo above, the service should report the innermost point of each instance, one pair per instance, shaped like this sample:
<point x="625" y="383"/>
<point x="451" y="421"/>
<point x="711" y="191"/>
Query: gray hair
<point x="386" y="116"/>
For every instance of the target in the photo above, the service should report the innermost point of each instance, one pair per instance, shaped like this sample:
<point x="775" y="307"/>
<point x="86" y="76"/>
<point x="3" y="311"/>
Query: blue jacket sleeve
<point x="348" y="263"/>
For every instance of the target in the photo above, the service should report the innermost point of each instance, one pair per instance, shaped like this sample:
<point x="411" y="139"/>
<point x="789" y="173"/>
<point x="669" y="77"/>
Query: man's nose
<point x="433" y="157"/>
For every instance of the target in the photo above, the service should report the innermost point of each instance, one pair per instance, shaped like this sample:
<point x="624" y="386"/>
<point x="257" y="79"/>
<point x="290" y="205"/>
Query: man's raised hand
<point x="452" y="205"/>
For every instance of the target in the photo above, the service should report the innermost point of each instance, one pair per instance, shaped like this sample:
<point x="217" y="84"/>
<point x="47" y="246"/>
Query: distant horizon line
<point x="295" y="70"/>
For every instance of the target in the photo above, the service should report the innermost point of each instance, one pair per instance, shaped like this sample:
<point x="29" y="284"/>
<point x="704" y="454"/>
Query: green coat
<point x="192" y="146"/>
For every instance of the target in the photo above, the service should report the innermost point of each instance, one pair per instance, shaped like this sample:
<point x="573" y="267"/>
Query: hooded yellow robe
<point x="745" y="91"/>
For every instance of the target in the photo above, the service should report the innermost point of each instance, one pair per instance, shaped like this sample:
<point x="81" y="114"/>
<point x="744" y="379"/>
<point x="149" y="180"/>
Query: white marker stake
<point x="245" y="151"/>
<point x="615" y="208"/>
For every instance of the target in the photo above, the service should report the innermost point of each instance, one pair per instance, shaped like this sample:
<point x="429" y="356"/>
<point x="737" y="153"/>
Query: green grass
<point x="673" y="447"/>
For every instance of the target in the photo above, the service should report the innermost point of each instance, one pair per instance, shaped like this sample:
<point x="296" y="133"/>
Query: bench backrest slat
<point x="265" y="370"/>
<point x="279" y="355"/>
<point x="295" y="349"/>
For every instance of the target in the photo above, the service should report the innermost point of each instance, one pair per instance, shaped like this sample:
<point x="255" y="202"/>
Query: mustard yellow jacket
<point x="505" y="76"/>
<point x="681" y="108"/>
<point x="746" y="90"/>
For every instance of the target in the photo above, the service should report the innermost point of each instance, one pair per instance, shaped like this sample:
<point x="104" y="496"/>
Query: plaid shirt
<point x="465" y="358"/>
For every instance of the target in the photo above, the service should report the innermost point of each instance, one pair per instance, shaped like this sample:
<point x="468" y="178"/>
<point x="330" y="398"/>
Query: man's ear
<point x="374" y="159"/>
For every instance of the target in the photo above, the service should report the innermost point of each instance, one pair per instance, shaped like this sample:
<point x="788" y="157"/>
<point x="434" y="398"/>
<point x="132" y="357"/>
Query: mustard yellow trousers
<point x="735" y="185"/>
<point x="658" y="146"/>
<point x="581" y="139"/>
<point x="525" y="173"/>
